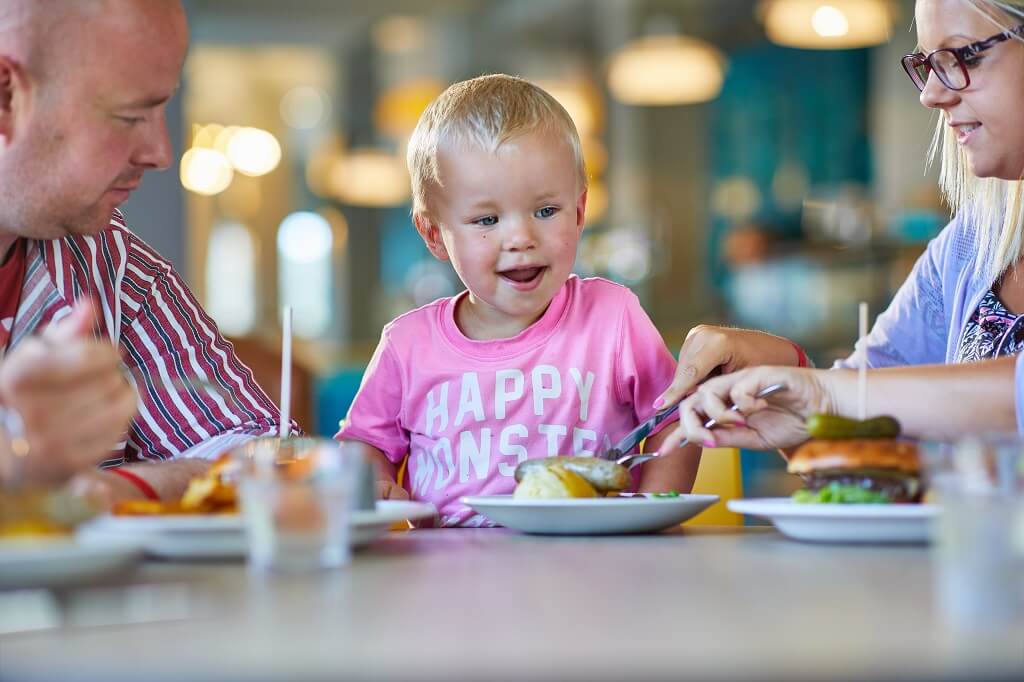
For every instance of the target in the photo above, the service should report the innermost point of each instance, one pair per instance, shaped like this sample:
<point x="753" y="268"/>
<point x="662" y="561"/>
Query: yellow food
<point x="41" y="511"/>
<point x="553" y="482"/>
<point x="604" y="475"/>
<point x="210" y="493"/>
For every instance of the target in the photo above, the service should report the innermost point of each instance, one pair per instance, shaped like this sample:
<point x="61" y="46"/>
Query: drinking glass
<point x="979" y="535"/>
<point x="297" y="495"/>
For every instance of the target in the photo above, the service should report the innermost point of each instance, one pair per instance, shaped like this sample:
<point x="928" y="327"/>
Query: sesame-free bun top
<point x="855" y="453"/>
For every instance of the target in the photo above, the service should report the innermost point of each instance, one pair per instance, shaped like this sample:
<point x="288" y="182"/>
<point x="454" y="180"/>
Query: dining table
<point x="703" y="603"/>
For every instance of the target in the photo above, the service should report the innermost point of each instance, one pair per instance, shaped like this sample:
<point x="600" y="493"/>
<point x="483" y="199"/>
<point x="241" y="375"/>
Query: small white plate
<point x="55" y="562"/>
<point x="855" y="523"/>
<point x="223" y="536"/>
<point x="590" y="516"/>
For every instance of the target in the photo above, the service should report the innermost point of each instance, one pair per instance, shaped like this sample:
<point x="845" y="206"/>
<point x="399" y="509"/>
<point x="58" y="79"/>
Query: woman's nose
<point x="936" y="95"/>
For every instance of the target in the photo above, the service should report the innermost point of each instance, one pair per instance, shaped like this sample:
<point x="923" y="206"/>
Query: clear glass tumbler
<point x="979" y="535"/>
<point x="297" y="495"/>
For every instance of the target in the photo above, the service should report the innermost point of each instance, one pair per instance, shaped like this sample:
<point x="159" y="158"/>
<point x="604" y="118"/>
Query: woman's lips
<point x="965" y="131"/>
<point x="523" y="279"/>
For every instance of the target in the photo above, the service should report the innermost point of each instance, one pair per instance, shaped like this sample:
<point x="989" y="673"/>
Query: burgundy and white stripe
<point x="166" y="339"/>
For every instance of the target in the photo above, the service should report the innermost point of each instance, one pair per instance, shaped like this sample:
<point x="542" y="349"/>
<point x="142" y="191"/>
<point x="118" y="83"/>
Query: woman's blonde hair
<point x="486" y="112"/>
<point x="992" y="206"/>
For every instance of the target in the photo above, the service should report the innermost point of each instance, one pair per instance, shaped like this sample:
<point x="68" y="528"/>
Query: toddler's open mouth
<point x="523" y="277"/>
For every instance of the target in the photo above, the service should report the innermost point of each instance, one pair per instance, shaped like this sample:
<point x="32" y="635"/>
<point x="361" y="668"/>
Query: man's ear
<point x="581" y="212"/>
<point x="431" y="234"/>
<point x="12" y="89"/>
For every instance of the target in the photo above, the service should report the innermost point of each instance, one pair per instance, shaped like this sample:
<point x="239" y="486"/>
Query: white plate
<point x="867" y="523"/>
<point x="590" y="516"/>
<point x="223" y="536"/>
<point x="56" y="562"/>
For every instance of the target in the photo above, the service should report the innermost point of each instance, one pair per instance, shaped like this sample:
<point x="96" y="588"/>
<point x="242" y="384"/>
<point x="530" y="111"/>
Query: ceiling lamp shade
<point x="664" y="70"/>
<point x="367" y="177"/>
<point x="827" y="24"/>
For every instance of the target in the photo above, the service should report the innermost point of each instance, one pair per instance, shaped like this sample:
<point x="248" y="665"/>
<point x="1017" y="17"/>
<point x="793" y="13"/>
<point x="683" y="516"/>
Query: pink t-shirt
<point x="468" y="412"/>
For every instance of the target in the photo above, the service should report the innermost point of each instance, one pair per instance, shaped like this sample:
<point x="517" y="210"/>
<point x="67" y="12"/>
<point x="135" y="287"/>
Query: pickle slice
<point x="834" y="427"/>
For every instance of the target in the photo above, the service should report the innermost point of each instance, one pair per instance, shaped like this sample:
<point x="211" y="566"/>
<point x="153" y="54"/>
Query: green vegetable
<point x="833" y="427"/>
<point x="670" y="493"/>
<point x="837" y="493"/>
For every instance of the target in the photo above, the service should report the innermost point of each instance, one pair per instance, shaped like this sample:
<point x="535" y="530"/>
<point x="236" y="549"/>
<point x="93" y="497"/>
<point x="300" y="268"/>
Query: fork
<point x="630" y="461"/>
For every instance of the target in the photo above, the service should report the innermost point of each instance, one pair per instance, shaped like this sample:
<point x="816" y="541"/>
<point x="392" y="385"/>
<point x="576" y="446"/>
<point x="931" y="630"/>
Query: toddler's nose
<point x="520" y="236"/>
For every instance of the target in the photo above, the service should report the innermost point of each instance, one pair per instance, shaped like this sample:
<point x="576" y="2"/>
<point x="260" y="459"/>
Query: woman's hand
<point x="712" y="350"/>
<point x="757" y="423"/>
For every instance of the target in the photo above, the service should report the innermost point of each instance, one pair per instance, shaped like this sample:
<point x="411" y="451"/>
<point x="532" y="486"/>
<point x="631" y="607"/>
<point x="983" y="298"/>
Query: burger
<point x="857" y="470"/>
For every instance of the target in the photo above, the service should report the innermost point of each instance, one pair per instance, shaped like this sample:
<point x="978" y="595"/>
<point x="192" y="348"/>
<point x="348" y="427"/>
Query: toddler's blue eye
<point x="546" y="212"/>
<point x="487" y="221"/>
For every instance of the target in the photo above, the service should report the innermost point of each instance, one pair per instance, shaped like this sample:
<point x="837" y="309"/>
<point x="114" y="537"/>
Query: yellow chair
<point x="719" y="474"/>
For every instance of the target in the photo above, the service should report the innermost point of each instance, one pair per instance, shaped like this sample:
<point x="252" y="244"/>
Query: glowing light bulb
<point x="205" y="171"/>
<point x="829" y="22"/>
<point x="304" y="237"/>
<point x="253" y="151"/>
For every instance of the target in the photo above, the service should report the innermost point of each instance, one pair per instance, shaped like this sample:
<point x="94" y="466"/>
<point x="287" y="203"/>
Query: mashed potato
<point x="553" y="482"/>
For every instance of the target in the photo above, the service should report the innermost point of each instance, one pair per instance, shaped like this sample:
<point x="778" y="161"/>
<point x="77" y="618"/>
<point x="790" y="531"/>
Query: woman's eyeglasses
<point x="950" y="64"/>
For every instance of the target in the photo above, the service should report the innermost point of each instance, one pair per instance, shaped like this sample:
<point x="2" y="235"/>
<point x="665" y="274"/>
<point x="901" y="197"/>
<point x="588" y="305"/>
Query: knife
<point x="634" y="437"/>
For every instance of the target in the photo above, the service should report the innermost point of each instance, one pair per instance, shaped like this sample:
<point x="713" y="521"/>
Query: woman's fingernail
<point x="658" y="403"/>
<point x="709" y="444"/>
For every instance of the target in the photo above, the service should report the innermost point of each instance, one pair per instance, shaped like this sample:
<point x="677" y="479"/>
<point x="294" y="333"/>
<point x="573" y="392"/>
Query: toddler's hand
<point x="389" y="490"/>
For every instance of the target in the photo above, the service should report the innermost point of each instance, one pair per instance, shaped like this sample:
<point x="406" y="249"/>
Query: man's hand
<point x="72" y="398"/>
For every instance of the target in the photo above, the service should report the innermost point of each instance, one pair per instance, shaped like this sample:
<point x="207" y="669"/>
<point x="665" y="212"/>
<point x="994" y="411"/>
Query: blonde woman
<point x="945" y="355"/>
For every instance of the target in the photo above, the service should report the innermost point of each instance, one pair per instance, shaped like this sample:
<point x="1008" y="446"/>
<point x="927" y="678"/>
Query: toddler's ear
<point x="431" y="234"/>
<point x="581" y="212"/>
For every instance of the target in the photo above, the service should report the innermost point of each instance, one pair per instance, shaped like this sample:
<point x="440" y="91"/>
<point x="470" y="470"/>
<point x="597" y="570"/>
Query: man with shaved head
<point x="84" y="86"/>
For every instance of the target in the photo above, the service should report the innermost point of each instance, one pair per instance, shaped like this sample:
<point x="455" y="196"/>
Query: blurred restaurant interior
<point x="740" y="174"/>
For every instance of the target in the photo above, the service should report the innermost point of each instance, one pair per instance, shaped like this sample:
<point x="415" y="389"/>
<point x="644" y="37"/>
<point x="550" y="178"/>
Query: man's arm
<point x="193" y="389"/>
<point x="167" y="479"/>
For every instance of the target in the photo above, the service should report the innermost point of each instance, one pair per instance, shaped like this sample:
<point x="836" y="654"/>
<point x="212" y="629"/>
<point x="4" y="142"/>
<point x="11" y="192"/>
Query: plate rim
<point x="387" y="511"/>
<point x="507" y="500"/>
<point x="69" y="549"/>
<point x="770" y="507"/>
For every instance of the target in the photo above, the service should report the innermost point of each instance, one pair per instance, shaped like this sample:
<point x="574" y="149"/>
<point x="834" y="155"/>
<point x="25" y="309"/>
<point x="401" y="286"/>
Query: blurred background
<point x="752" y="163"/>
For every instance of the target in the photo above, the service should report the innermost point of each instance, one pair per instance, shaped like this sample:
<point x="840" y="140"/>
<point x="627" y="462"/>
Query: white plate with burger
<point x="843" y="523"/>
<point x="857" y="489"/>
<point x="566" y="496"/>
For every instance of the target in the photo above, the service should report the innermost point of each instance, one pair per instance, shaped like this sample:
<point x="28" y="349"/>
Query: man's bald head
<point x="50" y="37"/>
<point x="84" y="86"/>
<point x="36" y="33"/>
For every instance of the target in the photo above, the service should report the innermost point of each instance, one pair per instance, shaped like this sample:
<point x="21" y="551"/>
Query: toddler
<point x="529" y="361"/>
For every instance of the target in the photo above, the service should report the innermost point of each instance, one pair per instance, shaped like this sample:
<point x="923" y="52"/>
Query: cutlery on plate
<point x="633" y="438"/>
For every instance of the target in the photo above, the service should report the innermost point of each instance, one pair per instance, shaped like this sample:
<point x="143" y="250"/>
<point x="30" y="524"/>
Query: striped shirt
<point x="196" y="398"/>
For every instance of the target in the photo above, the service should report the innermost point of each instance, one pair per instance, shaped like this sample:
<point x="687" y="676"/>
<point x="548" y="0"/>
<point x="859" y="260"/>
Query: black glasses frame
<point x="912" y="62"/>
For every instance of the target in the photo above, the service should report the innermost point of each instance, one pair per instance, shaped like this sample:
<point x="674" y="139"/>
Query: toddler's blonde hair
<point x="486" y="112"/>
<point x="992" y="206"/>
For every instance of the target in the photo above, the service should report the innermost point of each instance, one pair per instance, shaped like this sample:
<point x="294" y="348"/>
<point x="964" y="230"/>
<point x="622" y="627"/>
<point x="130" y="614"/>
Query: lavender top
<point x="927" y="317"/>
